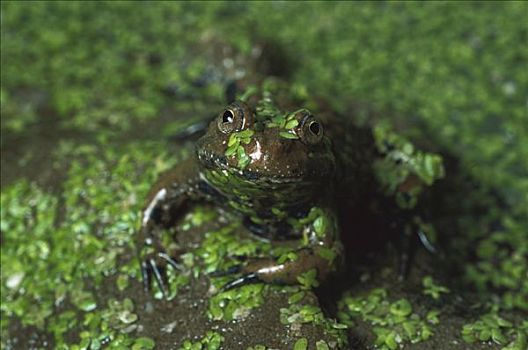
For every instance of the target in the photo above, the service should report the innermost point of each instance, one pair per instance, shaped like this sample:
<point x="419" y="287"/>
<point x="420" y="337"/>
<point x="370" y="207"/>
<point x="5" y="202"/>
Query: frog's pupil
<point x="227" y="117"/>
<point x="315" y="128"/>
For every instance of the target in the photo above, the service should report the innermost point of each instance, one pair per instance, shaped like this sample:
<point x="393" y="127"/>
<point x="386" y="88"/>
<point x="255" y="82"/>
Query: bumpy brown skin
<point x="292" y="176"/>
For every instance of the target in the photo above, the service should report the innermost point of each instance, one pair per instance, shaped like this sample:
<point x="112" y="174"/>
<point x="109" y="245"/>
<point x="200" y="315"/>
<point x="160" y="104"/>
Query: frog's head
<point x="259" y="143"/>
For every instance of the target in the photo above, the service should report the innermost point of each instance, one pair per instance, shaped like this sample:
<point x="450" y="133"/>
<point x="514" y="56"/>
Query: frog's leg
<point x="409" y="226"/>
<point x="319" y="250"/>
<point x="404" y="173"/>
<point x="406" y="229"/>
<point x="163" y="207"/>
<point x="412" y="231"/>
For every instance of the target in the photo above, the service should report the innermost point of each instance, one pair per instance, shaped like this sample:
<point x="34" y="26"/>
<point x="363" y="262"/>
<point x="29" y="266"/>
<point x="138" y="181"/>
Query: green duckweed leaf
<point x="301" y="344"/>
<point x="288" y="135"/>
<point x="291" y="124"/>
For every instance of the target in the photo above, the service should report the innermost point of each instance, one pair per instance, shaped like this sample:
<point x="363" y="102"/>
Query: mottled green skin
<point x="279" y="168"/>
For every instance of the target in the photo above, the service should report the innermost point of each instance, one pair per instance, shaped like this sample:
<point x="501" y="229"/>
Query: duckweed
<point x="211" y="341"/>
<point x="432" y="289"/>
<point x="298" y="313"/>
<point x="286" y="124"/>
<point x="236" y="304"/>
<point x="257" y="347"/>
<point x="401" y="162"/>
<point x="521" y="340"/>
<point x="492" y="327"/>
<point x="308" y="280"/>
<point x="143" y="343"/>
<point x="321" y="345"/>
<point x="296" y="297"/>
<point x="503" y="264"/>
<point x="301" y="344"/>
<point x="235" y="146"/>
<point x="39" y="238"/>
<point x="455" y="91"/>
<point x="393" y="323"/>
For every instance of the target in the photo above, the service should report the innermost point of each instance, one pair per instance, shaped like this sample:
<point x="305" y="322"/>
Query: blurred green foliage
<point x="491" y="327"/>
<point x="455" y="71"/>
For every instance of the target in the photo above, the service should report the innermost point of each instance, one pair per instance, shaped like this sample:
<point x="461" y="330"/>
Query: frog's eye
<point x="311" y="131"/>
<point x="233" y="118"/>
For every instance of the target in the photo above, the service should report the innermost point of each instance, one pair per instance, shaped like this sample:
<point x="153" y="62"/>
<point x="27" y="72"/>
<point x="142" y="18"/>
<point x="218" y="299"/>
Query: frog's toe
<point x="241" y="281"/>
<point x="154" y="268"/>
<point x="145" y="276"/>
<point x="158" y="277"/>
<point x="426" y="242"/>
<point x="150" y="269"/>
<point x="230" y="271"/>
<point x="171" y="261"/>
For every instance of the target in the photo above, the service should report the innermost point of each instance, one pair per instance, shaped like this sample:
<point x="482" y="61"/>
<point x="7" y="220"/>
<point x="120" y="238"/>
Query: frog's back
<point x="354" y="149"/>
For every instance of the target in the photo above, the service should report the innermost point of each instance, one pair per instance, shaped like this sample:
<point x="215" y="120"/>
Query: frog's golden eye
<point x="233" y="118"/>
<point x="311" y="130"/>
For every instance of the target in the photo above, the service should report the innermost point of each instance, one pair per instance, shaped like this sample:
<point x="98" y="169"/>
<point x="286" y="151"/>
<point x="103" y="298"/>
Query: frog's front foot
<point x="154" y="263"/>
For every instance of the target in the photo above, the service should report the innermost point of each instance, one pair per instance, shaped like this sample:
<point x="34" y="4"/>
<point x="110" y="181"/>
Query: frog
<point x="279" y="167"/>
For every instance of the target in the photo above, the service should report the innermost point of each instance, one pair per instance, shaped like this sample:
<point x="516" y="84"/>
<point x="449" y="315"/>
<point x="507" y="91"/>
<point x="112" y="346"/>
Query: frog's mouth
<point x="251" y="186"/>
<point x="221" y="163"/>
